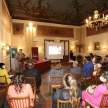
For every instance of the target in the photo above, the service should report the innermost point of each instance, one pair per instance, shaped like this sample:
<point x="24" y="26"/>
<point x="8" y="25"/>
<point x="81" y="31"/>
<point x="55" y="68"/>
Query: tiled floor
<point x="45" y="99"/>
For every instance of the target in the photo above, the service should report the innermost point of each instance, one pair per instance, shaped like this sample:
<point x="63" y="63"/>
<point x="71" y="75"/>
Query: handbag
<point x="5" y="104"/>
<point x="91" y="89"/>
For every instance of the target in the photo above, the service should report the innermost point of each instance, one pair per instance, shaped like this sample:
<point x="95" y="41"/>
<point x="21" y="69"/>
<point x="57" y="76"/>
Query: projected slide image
<point x="54" y="50"/>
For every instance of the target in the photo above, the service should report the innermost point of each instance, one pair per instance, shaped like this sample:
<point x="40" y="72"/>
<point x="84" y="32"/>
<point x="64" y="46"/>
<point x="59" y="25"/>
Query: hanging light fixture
<point x="96" y="21"/>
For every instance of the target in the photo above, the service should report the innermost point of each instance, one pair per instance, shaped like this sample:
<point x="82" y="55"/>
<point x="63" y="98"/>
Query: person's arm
<point x="56" y="96"/>
<point x="23" y="55"/>
<point x="79" y="92"/>
<point x="84" y="70"/>
<point x="70" y="71"/>
<point x="7" y="76"/>
<point x="39" y="78"/>
<point x="31" y="94"/>
<point x="99" y="90"/>
<point x="17" y="56"/>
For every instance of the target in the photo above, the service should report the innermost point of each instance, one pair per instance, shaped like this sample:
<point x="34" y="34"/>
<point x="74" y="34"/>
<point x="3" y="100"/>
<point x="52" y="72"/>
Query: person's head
<point x="91" y="55"/>
<point x="18" y="81"/>
<point x="95" y="55"/>
<point x="58" y="66"/>
<point x="104" y="78"/>
<point x="20" y="50"/>
<point x="2" y="65"/>
<point x="106" y="56"/>
<point x="30" y="64"/>
<point x="98" y="60"/>
<point x="88" y="58"/>
<point x="70" y="83"/>
<point x="75" y="63"/>
<point x="30" y="56"/>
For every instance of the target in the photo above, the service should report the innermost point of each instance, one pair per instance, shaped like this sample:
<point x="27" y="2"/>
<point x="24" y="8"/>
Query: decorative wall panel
<point x="55" y="31"/>
<point x="90" y="31"/>
<point x="18" y="28"/>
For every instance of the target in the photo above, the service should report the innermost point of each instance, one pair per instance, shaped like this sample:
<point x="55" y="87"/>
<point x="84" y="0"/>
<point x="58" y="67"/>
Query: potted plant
<point x="79" y="58"/>
<point x="80" y="46"/>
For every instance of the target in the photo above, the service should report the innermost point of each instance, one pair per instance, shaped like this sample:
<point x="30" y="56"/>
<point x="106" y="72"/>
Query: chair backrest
<point x="98" y="71"/>
<point x="19" y="102"/>
<point x="63" y="104"/>
<point x="78" y="76"/>
<point x="3" y="84"/>
<point x="89" y="74"/>
<point x="3" y="87"/>
<point x="31" y="81"/>
<point x="104" y="101"/>
<point x="66" y="104"/>
<point x="3" y="78"/>
<point x="55" y="80"/>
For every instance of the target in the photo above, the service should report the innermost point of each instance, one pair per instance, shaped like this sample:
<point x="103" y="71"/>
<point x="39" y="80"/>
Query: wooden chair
<point x="32" y="82"/>
<point x="55" y="82"/>
<point x="3" y="87"/>
<point x="78" y="77"/>
<point x="103" y="103"/>
<point x="65" y="104"/>
<point x="19" y="102"/>
<point x="96" y="77"/>
<point x="88" y="77"/>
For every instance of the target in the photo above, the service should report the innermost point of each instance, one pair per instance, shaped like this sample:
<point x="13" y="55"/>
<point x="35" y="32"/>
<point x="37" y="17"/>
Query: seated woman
<point x="69" y="92"/>
<point x="3" y="72"/>
<point x="96" y="66"/>
<point x="20" y="89"/>
<point x="101" y="89"/>
<point x="57" y="71"/>
<point x="105" y="62"/>
<point x="92" y="58"/>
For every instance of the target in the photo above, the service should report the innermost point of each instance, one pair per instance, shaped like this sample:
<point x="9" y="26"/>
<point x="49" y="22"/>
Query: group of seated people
<point x="19" y="88"/>
<point x="71" y="91"/>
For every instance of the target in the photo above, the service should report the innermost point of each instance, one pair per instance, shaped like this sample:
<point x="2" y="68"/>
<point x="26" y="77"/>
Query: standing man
<point x="75" y="68"/>
<point x="88" y="66"/>
<point x="19" y="56"/>
<point x="30" y="72"/>
<point x="71" y="54"/>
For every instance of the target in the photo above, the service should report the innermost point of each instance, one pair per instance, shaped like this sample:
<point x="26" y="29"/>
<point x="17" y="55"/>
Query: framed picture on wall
<point x="96" y="45"/>
<point x="18" y="28"/>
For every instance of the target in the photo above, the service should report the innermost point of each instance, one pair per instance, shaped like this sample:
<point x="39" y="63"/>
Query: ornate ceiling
<point x="72" y="12"/>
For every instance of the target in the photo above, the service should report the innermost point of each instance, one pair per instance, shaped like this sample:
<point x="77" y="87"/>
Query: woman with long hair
<point x="20" y="89"/>
<point x="101" y="89"/>
<point x="69" y="92"/>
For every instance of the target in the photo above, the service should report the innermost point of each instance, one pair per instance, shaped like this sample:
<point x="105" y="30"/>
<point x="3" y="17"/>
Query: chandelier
<point x="96" y="21"/>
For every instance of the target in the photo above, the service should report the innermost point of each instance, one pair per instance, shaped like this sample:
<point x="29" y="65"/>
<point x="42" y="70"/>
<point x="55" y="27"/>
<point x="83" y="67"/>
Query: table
<point x="41" y="65"/>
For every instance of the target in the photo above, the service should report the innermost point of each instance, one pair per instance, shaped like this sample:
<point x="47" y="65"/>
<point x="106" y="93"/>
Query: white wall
<point x="89" y="42"/>
<point x="26" y="40"/>
<point x="5" y="34"/>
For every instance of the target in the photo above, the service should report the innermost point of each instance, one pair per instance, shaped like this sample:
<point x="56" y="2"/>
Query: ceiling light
<point x="96" y="21"/>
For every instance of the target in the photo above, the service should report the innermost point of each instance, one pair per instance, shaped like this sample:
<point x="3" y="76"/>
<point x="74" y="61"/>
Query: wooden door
<point x="66" y="50"/>
<point x="35" y="53"/>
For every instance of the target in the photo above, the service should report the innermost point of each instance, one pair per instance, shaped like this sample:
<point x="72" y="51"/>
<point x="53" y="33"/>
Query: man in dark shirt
<point x="30" y="72"/>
